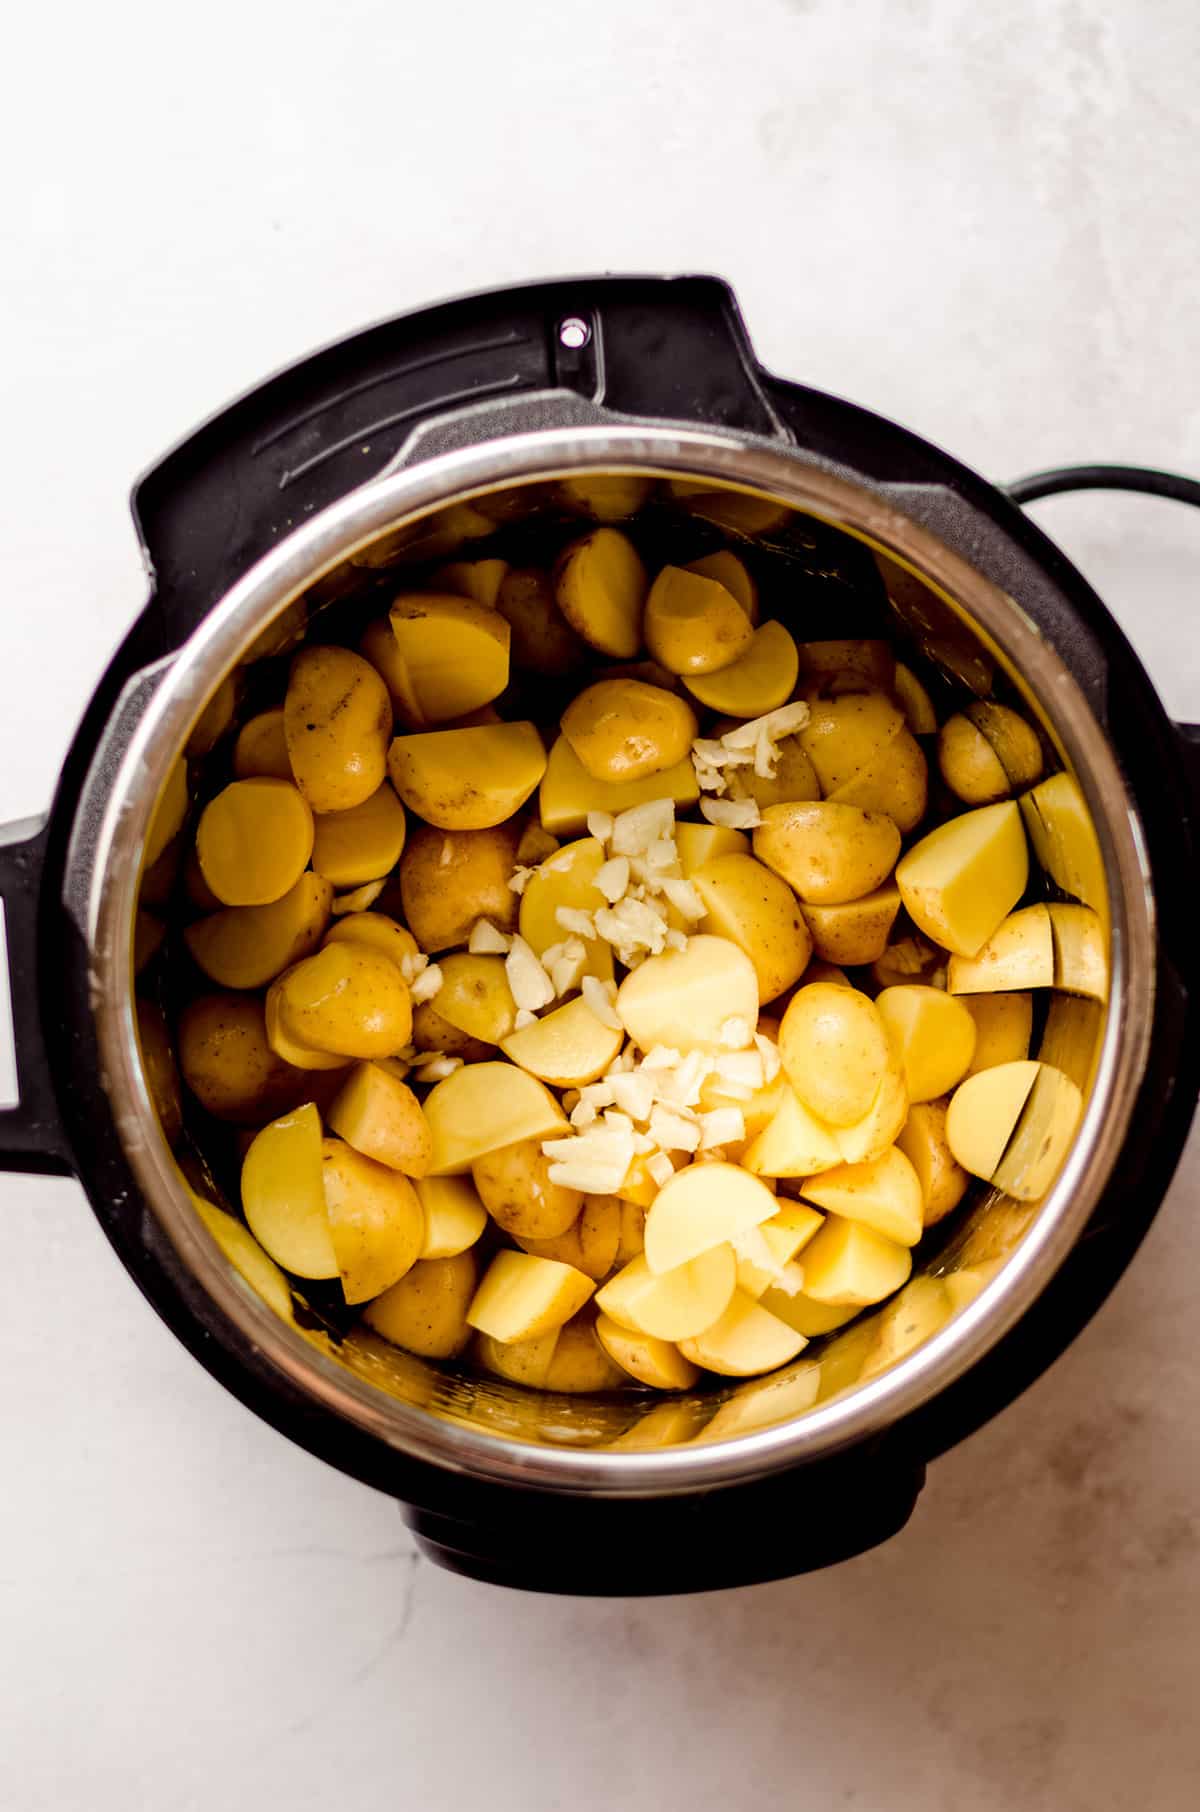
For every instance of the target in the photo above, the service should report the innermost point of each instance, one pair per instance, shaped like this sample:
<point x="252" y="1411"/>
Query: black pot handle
<point x="31" y="1132"/>
<point x="644" y="347"/>
<point x="1148" y="482"/>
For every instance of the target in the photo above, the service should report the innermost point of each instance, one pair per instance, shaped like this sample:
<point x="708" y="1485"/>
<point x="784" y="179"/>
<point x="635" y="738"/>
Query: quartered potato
<point x="828" y="852"/>
<point x="622" y="730"/>
<point x="726" y="568"/>
<point x="1064" y="839"/>
<point x="923" y="1141"/>
<point x="1003" y="1027"/>
<point x="337" y="718"/>
<point x="426" y="1311"/>
<point x="760" y="680"/>
<point x="514" y="1186"/>
<point x="693" y="624"/>
<point x="600" y="584"/>
<point x="568" y="792"/>
<point x="542" y="639"/>
<point x="482" y="1107"/>
<point x="360" y="844"/>
<point x="845" y="735"/>
<point x="794" y="1142"/>
<point x="671" y="1305"/>
<point x="1019" y="954"/>
<point x="745" y="1340"/>
<point x="283" y="1195"/>
<point x="378" y="1114"/>
<point x="960" y="880"/>
<point x="254" y="841"/>
<point x="455" y="652"/>
<point x="567" y="1047"/>
<point x="591" y="1243"/>
<point x="895" y="782"/>
<point x="467" y="779"/>
<point x="522" y="1297"/>
<point x="850" y="1264"/>
<point x="856" y="931"/>
<point x="752" y="908"/>
<point x="454" y="1215"/>
<point x="932" y="1036"/>
<point x="348" y="999"/>
<point x="449" y="880"/>
<point x="248" y="946"/>
<point x="375" y="1220"/>
<point x="835" y="1051"/>
<point x="657" y="1363"/>
<point x="884" y="1193"/>
<point x="684" y="998"/>
<point x="478" y="579"/>
<point x="701" y="1207"/>
<point x="475" y="997"/>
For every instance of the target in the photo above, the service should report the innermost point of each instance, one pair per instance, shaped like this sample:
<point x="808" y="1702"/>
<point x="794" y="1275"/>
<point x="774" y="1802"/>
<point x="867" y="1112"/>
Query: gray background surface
<point x="978" y="219"/>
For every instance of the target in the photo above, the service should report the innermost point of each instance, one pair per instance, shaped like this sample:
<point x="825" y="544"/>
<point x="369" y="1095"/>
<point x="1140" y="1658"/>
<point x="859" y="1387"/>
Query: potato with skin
<point x="693" y="625"/>
<point x="1014" y="740"/>
<point x="376" y="929"/>
<point x="248" y="946"/>
<point x="671" y="1305"/>
<point x="701" y="1207"/>
<point x="932" y="1035"/>
<point x="228" y="1063"/>
<point x="794" y="779"/>
<point x="805" y="1314"/>
<point x="485" y="1106"/>
<point x="1042" y="1136"/>
<point x="1064" y="839"/>
<point x="747" y="1339"/>
<point x="514" y="1186"/>
<point x="579" y="1361"/>
<point x="914" y="701"/>
<point x="855" y="932"/>
<point x="478" y="579"/>
<point x="426" y="1311"/>
<point x="783" y="1236"/>
<point x="683" y="998"/>
<point x="600" y="585"/>
<point x="844" y="735"/>
<point x="254" y="840"/>
<point x="760" y="680"/>
<point x="829" y="853"/>
<point x="379" y="1115"/>
<point x="542" y="639"/>
<point x="375" y="1220"/>
<point x="450" y="879"/>
<point x="970" y="766"/>
<point x="698" y="844"/>
<point x="247" y="1257"/>
<point x="622" y="730"/>
<point x="755" y="910"/>
<point x="742" y="512"/>
<point x="568" y="792"/>
<point x="521" y="1297"/>
<point x="1003" y="1028"/>
<point x="433" y="1033"/>
<point x="895" y="782"/>
<point x="520" y="1361"/>
<point x="159" y="1067"/>
<point x="657" y="1363"/>
<point x="923" y="1141"/>
<point x="261" y="748"/>
<point x="378" y="648"/>
<point x="469" y="779"/>
<point x="348" y="999"/>
<point x="983" y="1115"/>
<point x="567" y="1047"/>
<point x="454" y="1215"/>
<point x="1080" y="954"/>
<point x="337" y="718"/>
<point x="475" y="997"/>
<point x="361" y="844"/>
<point x="604" y="496"/>
<point x="884" y="1193"/>
<point x="960" y="880"/>
<point x="880" y="1125"/>
<point x="850" y="1265"/>
<point x="288" y="1047"/>
<point x="1019" y="954"/>
<point x="835" y="1051"/>
<point x="794" y="1143"/>
<point x="870" y="662"/>
<point x="283" y="1195"/>
<point x="590" y="1243"/>
<point x="733" y="574"/>
<point x="454" y="649"/>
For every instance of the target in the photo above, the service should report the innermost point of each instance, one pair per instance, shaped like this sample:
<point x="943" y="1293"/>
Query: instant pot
<point x="450" y="425"/>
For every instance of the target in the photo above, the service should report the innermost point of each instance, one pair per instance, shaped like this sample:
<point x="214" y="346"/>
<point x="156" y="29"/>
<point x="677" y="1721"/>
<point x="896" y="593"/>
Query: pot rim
<point x="731" y="462"/>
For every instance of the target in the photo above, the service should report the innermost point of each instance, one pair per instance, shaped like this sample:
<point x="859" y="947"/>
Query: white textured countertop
<point x="979" y="220"/>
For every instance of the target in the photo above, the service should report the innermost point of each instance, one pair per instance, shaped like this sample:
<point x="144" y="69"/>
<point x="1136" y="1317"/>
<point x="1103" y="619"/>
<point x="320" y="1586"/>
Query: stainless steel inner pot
<point x="842" y="1390"/>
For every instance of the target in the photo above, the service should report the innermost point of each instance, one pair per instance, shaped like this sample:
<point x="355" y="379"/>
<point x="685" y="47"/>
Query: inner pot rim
<point x="345" y="527"/>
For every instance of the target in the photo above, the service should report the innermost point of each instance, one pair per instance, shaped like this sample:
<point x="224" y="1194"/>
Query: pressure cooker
<point x="391" y="445"/>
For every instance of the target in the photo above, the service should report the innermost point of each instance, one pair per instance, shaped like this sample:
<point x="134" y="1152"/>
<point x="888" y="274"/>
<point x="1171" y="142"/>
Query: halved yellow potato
<point x="451" y="879"/>
<point x="759" y="680"/>
<point x="475" y="997"/>
<point x="591" y="1243"/>
<point x="455" y="650"/>
<point x="568" y="792"/>
<point x="729" y="571"/>
<point x="247" y="1257"/>
<point x="743" y="512"/>
<point x="1003" y="1026"/>
<point x="378" y="930"/>
<point x="805" y="1314"/>
<point x="482" y="1107"/>
<point x="932" y="1036"/>
<point x="746" y="1340"/>
<point x="914" y="701"/>
<point x="658" y="1363"/>
<point x="835" y="1051"/>
<point x="1019" y="954"/>
<point x="360" y="844"/>
<point x="1014" y="740"/>
<point x="454" y="1215"/>
<point x="844" y="735"/>
<point x="983" y="1114"/>
<point x="580" y="1361"/>
<point x="895" y="781"/>
<point x="467" y="779"/>
<point x="254" y="841"/>
<point x="623" y="730"/>
<point x="375" y="1220"/>
<point x="684" y="998"/>
<point x="1064" y="839"/>
<point x="261" y="747"/>
<point x="794" y="1143"/>
<point x="884" y="1193"/>
<point x="866" y="1138"/>
<point x="378" y="648"/>
<point x="542" y="639"/>
<point x="349" y="999"/>
<point x="514" y="1186"/>
<point x="426" y="1311"/>
<point x="520" y="1361"/>
<point x="248" y="946"/>
<point x="1042" y="1137"/>
<point x="913" y="1316"/>
<point x="600" y="585"/>
<point x="379" y="1115"/>
<point x="671" y="1305"/>
<point x="856" y="931"/>
<point x="850" y="1264"/>
<point x="605" y="496"/>
<point x="755" y="910"/>
<point x="923" y="1141"/>
<point x="337" y="717"/>
<point x="698" y="844"/>
<point x="566" y="1048"/>
<point x="794" y="779"/>
<point x="693" y="625"/>
<point x="970" y="766"/>
<point x="700" y="1207"/>
<point x="1071" y="1036"/>
<point x="566" y="880"/>
<point x="828" y="852"/>
<point x="522" y="1297"/>
<point x="478" y="579"/>
<point x="229" y="1064"/>
<point x="1080" y="957"/>
<point x="283" y="1195"/>
<point x="961" y="880"/>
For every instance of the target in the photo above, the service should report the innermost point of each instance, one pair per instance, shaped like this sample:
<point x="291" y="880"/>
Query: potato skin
<point x="835" y="1051"/>
<point x="515" y="1188"/>
<point x="425" y="1312"/>
<point x="228" y="1064"/>
<point x="542" y="640"/>
<point x="753" y="908"/>
<point x="624" y="730"/>
<point x="448" y="879"/>
<point x="830" y="853"/>
<point x="337" y="719"/>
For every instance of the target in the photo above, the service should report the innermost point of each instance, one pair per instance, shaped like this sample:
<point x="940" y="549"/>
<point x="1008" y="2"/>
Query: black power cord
<point x="1105" y="478"/>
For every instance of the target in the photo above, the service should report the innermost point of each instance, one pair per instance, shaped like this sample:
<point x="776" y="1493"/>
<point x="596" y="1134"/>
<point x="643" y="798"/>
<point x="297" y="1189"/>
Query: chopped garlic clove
<point x="486" y="940"/>
<point x="426" y="984"/>
<point x="732" y="814"/>
<point x="528" y="981"/>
